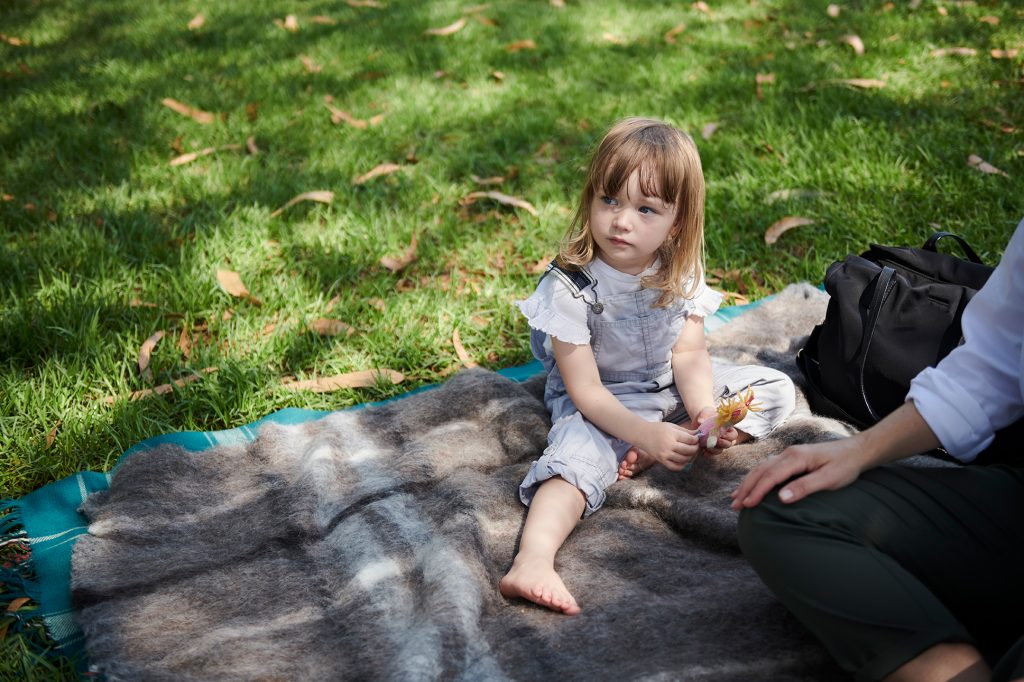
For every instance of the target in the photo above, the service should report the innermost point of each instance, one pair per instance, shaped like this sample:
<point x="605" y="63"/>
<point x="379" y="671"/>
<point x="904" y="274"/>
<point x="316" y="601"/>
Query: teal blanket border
<point x="48" y="519"/>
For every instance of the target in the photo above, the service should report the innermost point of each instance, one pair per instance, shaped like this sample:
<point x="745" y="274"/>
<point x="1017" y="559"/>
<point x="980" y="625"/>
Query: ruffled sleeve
<point x="704" y="302"/>
<point x="553" y="310"/>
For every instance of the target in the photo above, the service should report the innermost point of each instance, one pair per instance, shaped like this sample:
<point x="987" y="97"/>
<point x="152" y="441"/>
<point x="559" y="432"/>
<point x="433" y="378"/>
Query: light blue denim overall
<point x="632" y="344"/>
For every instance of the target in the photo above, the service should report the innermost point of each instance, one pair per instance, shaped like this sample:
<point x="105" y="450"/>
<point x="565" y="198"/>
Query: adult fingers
<point x="766" y="476"/>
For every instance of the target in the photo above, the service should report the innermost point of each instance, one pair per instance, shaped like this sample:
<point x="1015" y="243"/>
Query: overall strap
<point x="576" y="280"/>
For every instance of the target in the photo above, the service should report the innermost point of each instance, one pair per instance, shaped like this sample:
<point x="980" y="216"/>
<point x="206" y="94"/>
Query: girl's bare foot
<point x="535" y="579"/>
<point x="633" y="463"/>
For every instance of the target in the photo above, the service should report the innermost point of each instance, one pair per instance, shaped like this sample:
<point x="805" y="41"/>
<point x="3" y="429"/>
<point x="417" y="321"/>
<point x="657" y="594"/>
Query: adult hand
<point x="817" y="466"/>
<point x="670" y="444"/>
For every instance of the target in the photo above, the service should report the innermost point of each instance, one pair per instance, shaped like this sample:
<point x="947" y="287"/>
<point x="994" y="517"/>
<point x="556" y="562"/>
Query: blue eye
<point x="647" y="210"/>
<point x="608" y="200"/>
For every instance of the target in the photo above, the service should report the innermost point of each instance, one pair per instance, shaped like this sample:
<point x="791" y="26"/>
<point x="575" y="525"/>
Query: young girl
<point x="618" y="321"/>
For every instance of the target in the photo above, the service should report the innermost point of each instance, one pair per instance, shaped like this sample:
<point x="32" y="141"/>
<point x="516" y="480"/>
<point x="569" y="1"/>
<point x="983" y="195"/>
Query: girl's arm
<point x="691" y="369"/>
<point x="671" y="445"/>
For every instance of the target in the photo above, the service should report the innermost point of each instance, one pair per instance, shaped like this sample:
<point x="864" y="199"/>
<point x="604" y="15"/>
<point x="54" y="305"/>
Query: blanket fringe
<point x="19" y="585"/>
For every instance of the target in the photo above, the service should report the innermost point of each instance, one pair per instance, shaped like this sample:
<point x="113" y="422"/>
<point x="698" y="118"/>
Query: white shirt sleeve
<point x="704" y="302"/>
<point x="979" y="387"/>
<point x="553" y="310"/>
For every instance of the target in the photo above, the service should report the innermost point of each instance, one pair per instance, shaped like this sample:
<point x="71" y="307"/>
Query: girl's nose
<point x="620" y="221"/>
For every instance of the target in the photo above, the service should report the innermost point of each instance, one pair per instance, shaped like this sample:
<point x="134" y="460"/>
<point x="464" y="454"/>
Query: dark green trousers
<point x="899" y="561"/>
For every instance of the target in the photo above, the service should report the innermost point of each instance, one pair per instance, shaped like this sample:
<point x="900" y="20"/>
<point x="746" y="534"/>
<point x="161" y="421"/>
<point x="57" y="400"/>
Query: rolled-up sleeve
<point x="979" y="387"/>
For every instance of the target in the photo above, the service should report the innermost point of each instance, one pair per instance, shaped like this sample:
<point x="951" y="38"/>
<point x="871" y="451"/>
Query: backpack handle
<point x="933" y="242"/>
<point x="883" y="285"/>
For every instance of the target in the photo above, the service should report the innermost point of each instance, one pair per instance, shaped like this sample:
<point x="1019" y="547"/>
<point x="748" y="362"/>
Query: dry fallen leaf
<point x="250" y="145"/>
<point x="197" y="22"/>
<point x="942" y="10"/>
<point x="197" y="115"/>
<point x="762" y="79"/>
<point x="1004" y="54"/>
<point x="400" y="262"/>
<point x="363" y="3"/>
<point x="185" y="343"/>
<point x="164" y="388"/>
<point x="11" y="40"/>
<point x="670" y="35"/>
<point x="146" y="352"/>
<point x="363" y="379"/>
<point x="342" y="116"/>
<point x="612" y="38"/>
<point x="855" y="42"/>
<point x="787" y="194"/>
<point x="989" y="19"/>
<point x="460" y="351"/>
<point x="51" y="435"/>
<point x="701" y="6"/>
<point x="323" y="21"/>
<point x="519" y="45"/>
<point x="709" y="129"/>
<point x="325" y="326"/>
<point x="231" y="282"/>
<point x="492" y="180"/>
<point x="501" y="199"/>
<point x="776" y="230"/>
<point x="322" y="196"/>
<point x="560" y="4"/>
<point x="454" y="27"/>
<point x="862" y="83"/>
<point x="978" y="163"/>
<point x="192" y="156"/>
<point x="17" y="603"/>
<point x="310" y="65"/>
<point x="732" y="298"/>
<point x="954" y="51"/>
<point x="290" y="23"/>
<point x="381" y="169"/>
<point x="833" y="11"/>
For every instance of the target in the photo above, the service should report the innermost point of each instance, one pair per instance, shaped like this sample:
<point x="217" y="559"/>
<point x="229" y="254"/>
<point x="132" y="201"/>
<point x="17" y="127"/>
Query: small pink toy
<point x="731" y="411"/>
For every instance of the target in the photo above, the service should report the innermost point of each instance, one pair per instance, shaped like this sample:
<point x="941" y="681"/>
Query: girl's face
<point x="629" y="228"/>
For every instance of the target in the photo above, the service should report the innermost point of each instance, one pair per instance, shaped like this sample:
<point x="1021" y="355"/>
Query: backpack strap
<point x="576" y="280"/>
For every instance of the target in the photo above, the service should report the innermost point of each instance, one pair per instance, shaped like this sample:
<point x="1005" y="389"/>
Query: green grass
<point x="86" y="143"/>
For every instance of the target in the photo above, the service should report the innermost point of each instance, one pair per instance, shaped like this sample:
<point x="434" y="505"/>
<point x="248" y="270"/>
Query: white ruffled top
<point x="554" y="310"/>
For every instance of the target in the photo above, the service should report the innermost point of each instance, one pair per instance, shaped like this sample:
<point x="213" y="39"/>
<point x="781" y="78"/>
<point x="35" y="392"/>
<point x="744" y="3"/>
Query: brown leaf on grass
<point x="787" y="194"/>
<point x="860" y="83"/>
<point x="11" y="40"/>
<point x="779" y="227"/>
<point x="1004" y="54"/>
<point x="989" y="19"/>
<point x="342" y="116"/>
<point x="558" y="4"/>
<point x="163" y="389"/>
<point x="362" y="379"/>
<point x="670" y="35"/>
<point x="250" y="145"/>
<point x="321" y="196"/>
<point x="363" y="3"/>
<point x="854" y="42"/>
<point x="290" y="23"/>
<point x="325" y="326"/>
<point x="492" y="180"/>
<point x="192" y="156"/>
<point x="138" y="303"/>
<point x="197" y="115"/>
<point x="376" y="171"/>
<point x="612" y="38"/>
<point x="732" y="298"/>
<point x="17" y="603"/>
<point x="942" y="10"/>
<point x="252" y="110"/>
<point x="520" y="45"/>
<point x="460" y="351"/>
<point x="196" y="22"/>
<point x="231" y="282"/>
<point x="833" y="11"/>
<point x="310" y="65"/>
<point x="701" y="6"/>
<point x="7" y="197"/>
<point x="501" y="199"/>
<point x="953" y="52"/>
<point x="448" y="30"/>
<point x="51" y="435"/>
<point x="762" y="79"/>
<point x="323" y="21"/>
<point x="980" y="164"/>
<point x="541" y="265"/>
<point x="709" y="129"/>
<point x="185" y="343"/>
<point x="333" y="302"/>
<point x="498" y="76"/>
<point x="1002" y="127"/>
<point x="400" y="262"/>
<point x="146" y="352"/>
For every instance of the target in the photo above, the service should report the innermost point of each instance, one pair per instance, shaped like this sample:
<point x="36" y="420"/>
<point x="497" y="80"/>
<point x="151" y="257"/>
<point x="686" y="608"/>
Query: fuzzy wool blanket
<point x="369" y="545"/>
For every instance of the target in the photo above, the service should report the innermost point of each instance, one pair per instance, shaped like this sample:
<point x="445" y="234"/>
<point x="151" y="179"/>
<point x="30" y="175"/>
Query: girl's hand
<point x="726" y="439"/>
<point x="669" y="444"/>
<point x="816" y="466"/>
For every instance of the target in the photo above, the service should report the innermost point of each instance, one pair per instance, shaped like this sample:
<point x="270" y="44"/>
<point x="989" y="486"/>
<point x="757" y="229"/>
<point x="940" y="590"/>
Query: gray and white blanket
<point x="369" y="545"/>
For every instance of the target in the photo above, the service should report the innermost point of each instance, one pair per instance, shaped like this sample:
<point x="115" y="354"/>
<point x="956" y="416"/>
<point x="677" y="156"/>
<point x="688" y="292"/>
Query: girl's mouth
<point x="618" y="242"/>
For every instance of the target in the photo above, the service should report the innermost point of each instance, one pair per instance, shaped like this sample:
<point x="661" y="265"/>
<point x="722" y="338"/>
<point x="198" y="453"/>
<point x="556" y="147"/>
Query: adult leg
<point x="901" y="561"/>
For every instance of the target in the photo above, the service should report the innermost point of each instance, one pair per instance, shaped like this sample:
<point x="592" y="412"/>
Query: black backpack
<point x="893" y="311"/>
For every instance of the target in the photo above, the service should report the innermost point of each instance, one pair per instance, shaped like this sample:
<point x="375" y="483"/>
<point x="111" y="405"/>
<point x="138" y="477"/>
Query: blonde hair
<point x="669" y="168"/>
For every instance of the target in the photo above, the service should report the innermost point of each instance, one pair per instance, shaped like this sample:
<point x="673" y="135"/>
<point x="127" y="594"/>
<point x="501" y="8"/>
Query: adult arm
<point x="671" y="445"/>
